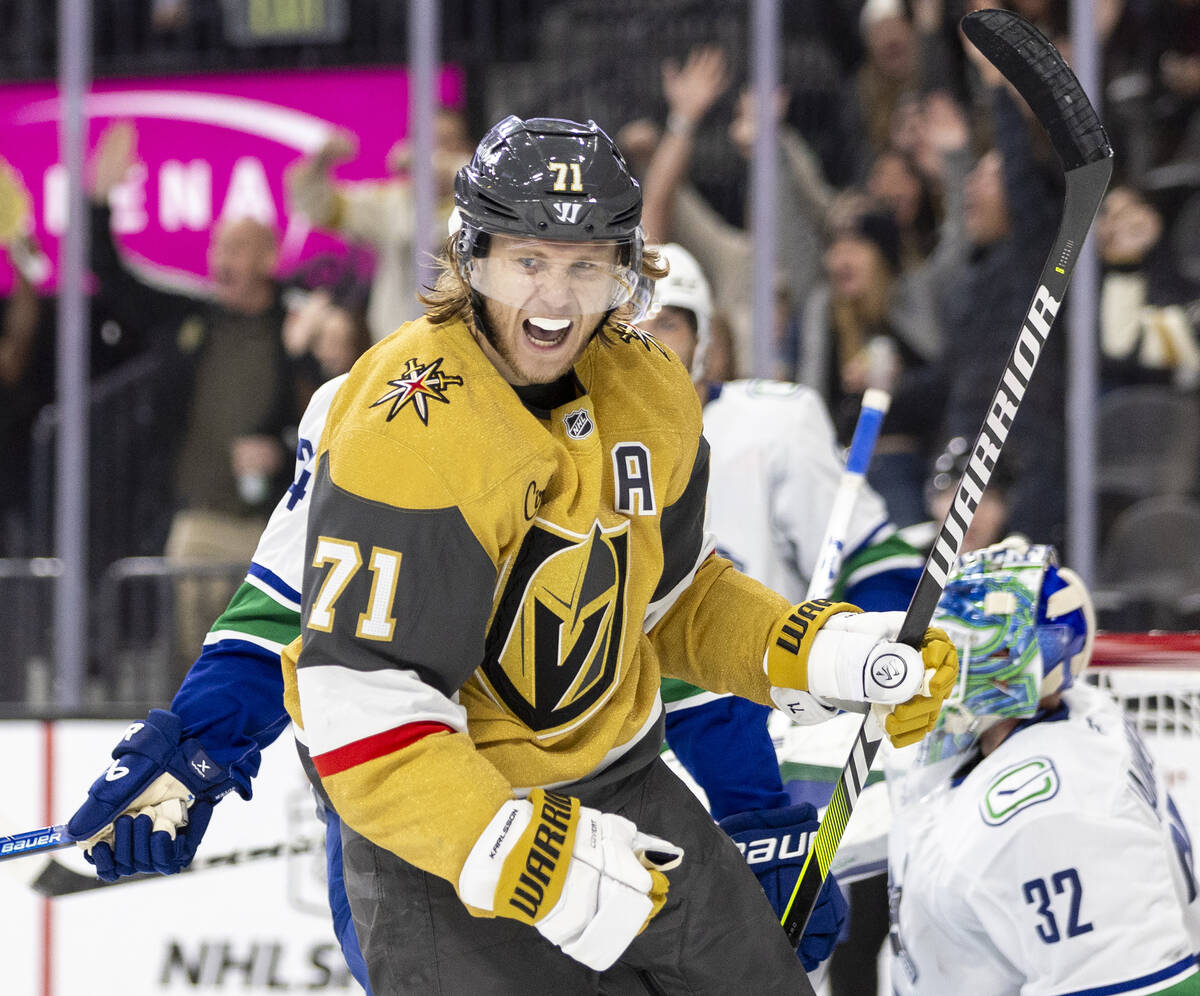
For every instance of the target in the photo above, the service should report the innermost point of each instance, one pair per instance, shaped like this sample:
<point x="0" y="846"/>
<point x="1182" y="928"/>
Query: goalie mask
<point x="550" y="180"/>
<point x="1023" y="628"/>
<point x="685" y="287"/>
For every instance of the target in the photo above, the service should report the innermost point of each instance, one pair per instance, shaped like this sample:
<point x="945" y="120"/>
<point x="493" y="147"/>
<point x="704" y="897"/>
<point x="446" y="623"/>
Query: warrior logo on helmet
<point x="567" y="211"/>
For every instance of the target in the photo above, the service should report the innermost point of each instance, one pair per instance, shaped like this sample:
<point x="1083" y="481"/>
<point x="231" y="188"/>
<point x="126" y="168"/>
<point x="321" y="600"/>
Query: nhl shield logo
<point x="579" y="424"/>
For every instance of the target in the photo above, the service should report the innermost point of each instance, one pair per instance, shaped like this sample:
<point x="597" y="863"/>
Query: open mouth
<point x="546" y="333"/>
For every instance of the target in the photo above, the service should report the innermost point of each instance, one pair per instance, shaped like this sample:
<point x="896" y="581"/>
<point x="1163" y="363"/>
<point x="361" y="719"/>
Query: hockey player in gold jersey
<point x="507" y="526"/>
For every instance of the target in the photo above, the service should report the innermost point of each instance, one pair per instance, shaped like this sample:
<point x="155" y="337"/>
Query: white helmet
<point x="685" y="287"/>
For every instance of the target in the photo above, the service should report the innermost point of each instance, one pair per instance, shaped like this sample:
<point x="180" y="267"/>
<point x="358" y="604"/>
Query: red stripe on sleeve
<point x="334" y="761"/>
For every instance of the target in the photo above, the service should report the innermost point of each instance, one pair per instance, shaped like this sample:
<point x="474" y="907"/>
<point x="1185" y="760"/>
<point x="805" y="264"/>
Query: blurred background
<point x="208" y="207"/>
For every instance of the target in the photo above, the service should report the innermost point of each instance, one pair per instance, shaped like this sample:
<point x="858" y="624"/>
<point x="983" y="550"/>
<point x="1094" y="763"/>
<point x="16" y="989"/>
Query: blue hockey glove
<point x="774" y="843"/>
<point x="148" y="811"/>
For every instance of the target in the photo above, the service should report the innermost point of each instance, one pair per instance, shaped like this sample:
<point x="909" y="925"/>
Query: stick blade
<point x="56" y="879"/>
<point x="1034" y="66"/>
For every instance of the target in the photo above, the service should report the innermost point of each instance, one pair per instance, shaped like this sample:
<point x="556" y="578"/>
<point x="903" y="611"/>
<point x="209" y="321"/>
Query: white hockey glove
<point x="588" y="881"/>
<point x="825" y="650"/>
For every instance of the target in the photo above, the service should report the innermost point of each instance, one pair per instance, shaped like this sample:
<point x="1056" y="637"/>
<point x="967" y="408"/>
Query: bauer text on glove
<point x="775" y="843"/>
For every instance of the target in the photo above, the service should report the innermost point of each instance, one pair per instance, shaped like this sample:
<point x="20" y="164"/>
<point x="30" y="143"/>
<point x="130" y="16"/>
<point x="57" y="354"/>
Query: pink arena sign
<point x="207" y="147"/>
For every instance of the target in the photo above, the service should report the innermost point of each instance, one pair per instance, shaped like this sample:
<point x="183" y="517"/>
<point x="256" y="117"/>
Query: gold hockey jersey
<point x="493" y="593"/>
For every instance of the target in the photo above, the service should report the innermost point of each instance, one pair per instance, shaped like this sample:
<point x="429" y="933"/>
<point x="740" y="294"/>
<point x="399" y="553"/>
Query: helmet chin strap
<point x="480" y="320"/>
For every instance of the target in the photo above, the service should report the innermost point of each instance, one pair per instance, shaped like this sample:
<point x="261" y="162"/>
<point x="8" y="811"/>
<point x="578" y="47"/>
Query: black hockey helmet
<point x="548" y="179"/>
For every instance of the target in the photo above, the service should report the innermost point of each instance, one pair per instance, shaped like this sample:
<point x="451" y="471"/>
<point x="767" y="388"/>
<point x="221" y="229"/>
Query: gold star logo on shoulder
<point x="418" y="383"/>
<point x="631" y="333"/>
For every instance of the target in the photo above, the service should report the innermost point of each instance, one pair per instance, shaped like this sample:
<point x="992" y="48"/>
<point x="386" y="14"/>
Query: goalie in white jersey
<point x="775" y="468"/>
<point x="1035" y="849"/>
<point x="775" y="471"/>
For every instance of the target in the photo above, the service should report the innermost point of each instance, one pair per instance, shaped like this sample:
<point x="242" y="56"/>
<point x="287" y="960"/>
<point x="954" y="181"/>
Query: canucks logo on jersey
<point x="416" y="385"/>
<point x="554" y="648"/>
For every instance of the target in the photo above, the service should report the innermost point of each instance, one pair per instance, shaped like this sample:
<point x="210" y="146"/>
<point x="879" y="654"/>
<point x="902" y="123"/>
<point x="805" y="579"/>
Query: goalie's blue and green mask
<point x="1023" y="628"/>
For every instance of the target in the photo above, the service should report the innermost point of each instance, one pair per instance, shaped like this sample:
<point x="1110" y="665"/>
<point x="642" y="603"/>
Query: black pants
<point x="716" y="935"/>
<point x="853" y="969"/>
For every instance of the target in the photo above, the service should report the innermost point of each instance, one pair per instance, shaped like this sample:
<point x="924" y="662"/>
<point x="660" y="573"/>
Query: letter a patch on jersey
<point x="1017" y="788"/>
<point x="633" y="484"/>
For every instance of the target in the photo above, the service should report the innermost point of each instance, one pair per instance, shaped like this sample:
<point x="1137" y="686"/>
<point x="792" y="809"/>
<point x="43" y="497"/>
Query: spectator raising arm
<point x="131" y="301"/>
<point x="380" y="213"/>
<point x="690" y="90"/>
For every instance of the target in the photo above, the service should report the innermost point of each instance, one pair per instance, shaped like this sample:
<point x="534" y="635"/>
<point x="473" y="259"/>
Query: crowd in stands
<point x="908" y="270"/>
<point x="916" y="202"/>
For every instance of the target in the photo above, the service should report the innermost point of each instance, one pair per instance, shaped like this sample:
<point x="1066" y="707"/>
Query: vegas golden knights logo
<point x="631" y="333"/>
<point x="554" y="648"/>
<point x="417" y="384"/>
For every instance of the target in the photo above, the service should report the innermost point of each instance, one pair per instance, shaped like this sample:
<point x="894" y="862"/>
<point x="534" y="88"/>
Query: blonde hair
<point x="450" y="297"/>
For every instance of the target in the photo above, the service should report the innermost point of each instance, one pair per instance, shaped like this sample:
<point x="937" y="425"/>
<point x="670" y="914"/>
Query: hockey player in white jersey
<point x="775" y="472"/>
<point x="776" y="466"/>
<point x="1035" y="849"/>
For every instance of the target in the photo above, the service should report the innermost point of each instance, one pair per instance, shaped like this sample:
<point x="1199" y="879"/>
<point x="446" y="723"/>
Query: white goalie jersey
<point x="1058" y="865"/>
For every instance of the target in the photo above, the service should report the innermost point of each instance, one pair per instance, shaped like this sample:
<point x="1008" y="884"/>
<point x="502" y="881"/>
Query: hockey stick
<point x="875" y="404"/>
<point x="19" y="845"/>
<point x="56" y="879"/>
<point x="1032" y="64"/>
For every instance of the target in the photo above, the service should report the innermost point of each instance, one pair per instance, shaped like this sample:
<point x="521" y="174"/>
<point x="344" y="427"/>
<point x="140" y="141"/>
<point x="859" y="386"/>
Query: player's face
<point x="543" y="301"/>
<point x="673" y="328"/>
